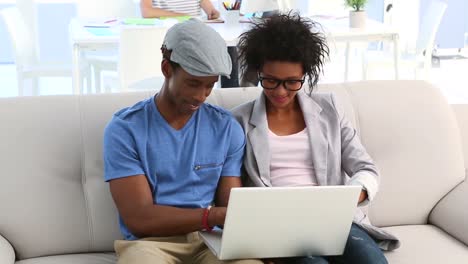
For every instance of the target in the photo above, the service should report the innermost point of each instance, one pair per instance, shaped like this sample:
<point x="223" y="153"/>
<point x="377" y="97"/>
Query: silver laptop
<point x="275" y="222"/>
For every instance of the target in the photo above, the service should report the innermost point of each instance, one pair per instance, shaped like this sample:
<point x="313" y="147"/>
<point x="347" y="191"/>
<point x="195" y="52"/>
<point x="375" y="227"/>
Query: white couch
<point x="55" y="207"/>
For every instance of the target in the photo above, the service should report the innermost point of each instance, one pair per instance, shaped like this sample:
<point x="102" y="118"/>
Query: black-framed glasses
<point x="272" y="83"/>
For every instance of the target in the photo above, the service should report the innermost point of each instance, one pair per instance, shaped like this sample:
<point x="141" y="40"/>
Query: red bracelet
<point x="205" y="225"/>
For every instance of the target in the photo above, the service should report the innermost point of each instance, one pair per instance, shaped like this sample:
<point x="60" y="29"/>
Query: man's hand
<point x="362" y="196"/>
<point x="217" y="214"/>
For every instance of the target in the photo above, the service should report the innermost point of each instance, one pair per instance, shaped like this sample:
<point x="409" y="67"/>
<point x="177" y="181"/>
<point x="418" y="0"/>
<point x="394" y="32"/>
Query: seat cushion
<point x="426" y="244"/>
<point x="412" y="135"/>
<point x="96" y="258"/>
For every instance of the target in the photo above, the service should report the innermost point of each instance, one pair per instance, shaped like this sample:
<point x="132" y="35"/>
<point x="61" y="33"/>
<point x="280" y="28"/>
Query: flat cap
<point x="198" y="49"/>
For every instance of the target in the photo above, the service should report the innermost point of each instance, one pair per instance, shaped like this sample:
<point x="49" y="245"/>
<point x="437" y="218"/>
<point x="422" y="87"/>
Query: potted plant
<point x="357" y="16"/>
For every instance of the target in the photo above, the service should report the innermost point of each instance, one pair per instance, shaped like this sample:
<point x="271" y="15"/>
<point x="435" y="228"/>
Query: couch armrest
<point x="7" y="254"/>
<point x="451" y="213"/>
<point x="461" y="113"/>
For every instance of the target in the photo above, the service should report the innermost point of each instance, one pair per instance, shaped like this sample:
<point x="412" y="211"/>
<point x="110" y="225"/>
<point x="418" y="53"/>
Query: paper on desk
<point x="178" y="18"/>
<point x="245" y="19"/>
<point x="241" y="20"/>
<point x="100" y="24"/>
<point x="142" y="21"/>
<point x="217" y="20"/>
<point x="97" y="31"/>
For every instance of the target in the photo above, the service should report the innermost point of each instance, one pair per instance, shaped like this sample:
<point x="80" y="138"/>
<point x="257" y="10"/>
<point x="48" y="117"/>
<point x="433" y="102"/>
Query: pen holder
<point x="231" y="17"/>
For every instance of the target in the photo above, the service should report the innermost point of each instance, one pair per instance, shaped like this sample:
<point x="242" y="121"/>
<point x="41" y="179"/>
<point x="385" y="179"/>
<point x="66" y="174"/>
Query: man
<point x="164" y="8"/>
<point x="168" y="158"/>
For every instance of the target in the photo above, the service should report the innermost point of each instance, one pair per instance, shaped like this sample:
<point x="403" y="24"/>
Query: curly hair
<point x="284" y="37"/>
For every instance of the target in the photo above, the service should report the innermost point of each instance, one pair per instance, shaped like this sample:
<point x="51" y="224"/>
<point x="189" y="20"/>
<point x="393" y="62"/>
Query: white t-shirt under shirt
<point x="291" y="160"/>
<point x="189" y="7"/>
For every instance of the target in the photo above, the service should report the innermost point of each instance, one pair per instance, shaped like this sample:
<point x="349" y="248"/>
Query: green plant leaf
<point x="356" y="5"/>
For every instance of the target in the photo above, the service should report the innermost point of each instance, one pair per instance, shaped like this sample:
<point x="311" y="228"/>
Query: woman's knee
<point x="371" y="257"/>
<point x="362" y="249"/>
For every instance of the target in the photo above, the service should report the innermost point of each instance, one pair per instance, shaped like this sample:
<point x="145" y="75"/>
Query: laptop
<point x="271" y="222"/>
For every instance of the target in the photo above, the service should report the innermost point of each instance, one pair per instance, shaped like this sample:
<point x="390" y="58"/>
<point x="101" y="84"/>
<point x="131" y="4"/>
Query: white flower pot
<point x="357" y="19"/>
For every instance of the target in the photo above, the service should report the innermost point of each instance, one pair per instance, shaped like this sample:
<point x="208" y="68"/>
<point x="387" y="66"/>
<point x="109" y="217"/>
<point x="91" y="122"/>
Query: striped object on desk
<point x="189" y="7"/>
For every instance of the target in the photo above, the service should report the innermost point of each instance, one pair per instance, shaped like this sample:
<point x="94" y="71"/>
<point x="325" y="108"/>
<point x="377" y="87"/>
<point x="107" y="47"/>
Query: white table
<point x="82" y="40"/>
<point x="336" y="30"/>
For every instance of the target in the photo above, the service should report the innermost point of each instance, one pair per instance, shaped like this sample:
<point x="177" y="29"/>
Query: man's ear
<point x="166" y="68"/>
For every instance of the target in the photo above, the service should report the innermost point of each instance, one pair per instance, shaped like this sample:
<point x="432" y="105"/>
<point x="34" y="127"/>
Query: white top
<point x="291" y="160"/>
<point x="189" y="7"/>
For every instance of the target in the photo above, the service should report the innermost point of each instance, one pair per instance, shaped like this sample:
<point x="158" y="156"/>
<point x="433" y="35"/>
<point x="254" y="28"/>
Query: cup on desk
<point x="231" y="17"/>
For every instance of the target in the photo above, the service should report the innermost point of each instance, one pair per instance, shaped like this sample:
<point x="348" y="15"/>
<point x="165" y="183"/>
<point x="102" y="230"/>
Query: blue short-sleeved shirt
<point x="183" y="166"/>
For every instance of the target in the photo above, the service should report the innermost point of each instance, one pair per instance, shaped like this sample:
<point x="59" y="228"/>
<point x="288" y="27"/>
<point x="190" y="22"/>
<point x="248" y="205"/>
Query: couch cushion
<point x="53" y="199"/>
<point x="97" y="258"/>
<point x="232" y="97"/>
<point x="426" y="244"/>
<point x="343" y="99"/>
<point x="42" y="205"/>
<point x="451" y="214"/>
<point x="461" y="112"/>
<point x="410" y="131"/>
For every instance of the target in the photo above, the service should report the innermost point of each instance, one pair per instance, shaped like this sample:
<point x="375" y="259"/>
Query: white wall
<point x="409" y="25"/>
<point x="327" y="7"/>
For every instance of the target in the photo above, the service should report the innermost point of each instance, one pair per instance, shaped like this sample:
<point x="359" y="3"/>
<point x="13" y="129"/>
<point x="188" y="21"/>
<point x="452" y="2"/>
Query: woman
<point x="165" y="8"/>
<point x="296" y="138"/>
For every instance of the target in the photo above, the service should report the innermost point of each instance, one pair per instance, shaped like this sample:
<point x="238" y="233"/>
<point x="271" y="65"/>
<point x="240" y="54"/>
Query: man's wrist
<point x="212" y="217"/>
<point x="205" y="222"/>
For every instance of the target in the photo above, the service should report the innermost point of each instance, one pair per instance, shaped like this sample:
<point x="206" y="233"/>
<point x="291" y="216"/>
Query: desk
<point x="82" y="40"/>
<point x="336" y="30"/>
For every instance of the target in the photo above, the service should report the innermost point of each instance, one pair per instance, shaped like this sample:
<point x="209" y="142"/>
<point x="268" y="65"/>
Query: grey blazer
<point x="336" y="152"/>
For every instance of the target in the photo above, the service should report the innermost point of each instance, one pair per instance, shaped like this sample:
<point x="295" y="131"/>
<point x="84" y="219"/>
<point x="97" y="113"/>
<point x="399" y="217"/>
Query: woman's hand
<point x="362" y="196"/>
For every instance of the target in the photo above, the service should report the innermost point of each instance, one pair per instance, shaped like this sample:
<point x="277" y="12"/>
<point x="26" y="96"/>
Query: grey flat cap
<point x="198" y="49"/>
